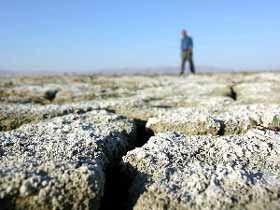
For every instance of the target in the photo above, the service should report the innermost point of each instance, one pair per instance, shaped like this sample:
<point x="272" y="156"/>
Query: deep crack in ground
<point x="232" y="94"/>
<point x="116" y="193"/>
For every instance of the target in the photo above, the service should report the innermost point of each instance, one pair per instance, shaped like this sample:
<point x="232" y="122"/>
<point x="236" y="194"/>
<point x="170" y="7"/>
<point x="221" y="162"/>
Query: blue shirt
<point x="186" y="43"/>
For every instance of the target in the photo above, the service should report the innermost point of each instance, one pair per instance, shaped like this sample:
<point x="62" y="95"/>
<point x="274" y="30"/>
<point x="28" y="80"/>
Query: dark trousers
<point x="187" y="56"/>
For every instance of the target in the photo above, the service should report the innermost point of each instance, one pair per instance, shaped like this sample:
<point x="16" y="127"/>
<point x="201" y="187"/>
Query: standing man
<point x="186" y="52"/>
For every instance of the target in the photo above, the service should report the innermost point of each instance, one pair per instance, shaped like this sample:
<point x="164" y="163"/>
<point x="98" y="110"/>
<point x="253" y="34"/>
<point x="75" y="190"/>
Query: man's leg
<point x="192" y="68"/>
<point x="183" y="62"/>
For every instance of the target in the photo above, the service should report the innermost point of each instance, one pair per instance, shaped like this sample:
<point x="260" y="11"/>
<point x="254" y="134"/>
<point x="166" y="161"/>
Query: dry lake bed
<point x="162" y="142"/>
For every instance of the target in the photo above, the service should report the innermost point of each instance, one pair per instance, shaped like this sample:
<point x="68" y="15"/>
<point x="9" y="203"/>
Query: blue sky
<point x="60" y="35"/>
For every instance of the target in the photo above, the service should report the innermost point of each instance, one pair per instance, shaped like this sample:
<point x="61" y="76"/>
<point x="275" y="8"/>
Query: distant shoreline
<point x="121" y="72"/>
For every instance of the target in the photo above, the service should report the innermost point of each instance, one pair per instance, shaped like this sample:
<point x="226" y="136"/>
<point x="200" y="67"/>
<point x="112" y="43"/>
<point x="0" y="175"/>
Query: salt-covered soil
<point x="206" y="141"/>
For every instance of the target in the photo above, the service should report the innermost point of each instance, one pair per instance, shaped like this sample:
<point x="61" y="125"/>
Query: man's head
<point x="184" y="33"/>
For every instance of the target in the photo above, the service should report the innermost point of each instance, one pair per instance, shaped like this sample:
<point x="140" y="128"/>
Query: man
<point x="186" y="52"/>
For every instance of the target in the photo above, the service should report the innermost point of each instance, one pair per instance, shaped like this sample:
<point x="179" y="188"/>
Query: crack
<point x="118" y="182"/>
<point x="110" y="110"/>
<point x="232" y="94"/>
<point x="265" y="128"/>
<point x="115" y="190"/>
<point x="221" y="131"/>
<point x="50" y="94"/>
<point x="143" y="133"/>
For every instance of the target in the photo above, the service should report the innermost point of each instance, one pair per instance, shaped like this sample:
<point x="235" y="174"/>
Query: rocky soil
<point x="206" y="141"/>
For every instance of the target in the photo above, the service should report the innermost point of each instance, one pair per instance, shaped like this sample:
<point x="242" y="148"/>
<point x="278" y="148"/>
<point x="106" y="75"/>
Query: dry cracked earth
<point x="206" y="141"/>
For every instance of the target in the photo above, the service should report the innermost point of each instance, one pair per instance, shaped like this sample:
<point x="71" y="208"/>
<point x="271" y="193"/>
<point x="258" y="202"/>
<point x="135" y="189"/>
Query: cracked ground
<point x="205" y="141"/>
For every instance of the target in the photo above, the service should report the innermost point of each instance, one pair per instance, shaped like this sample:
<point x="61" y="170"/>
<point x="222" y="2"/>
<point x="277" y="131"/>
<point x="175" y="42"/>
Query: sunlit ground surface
<point x="206" y="141"/>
